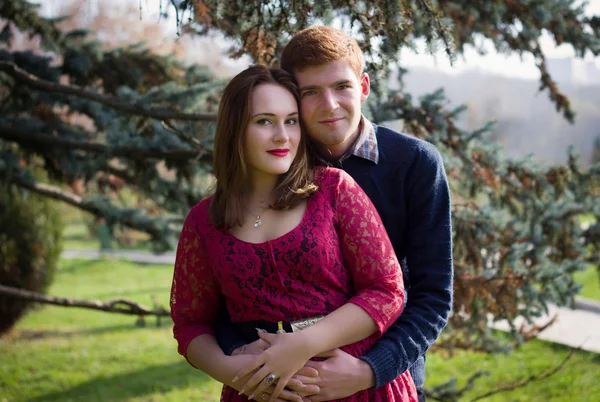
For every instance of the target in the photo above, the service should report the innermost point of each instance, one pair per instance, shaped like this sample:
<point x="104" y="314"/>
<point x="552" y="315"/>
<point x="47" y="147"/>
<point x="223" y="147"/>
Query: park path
<point x="578" y="327"/>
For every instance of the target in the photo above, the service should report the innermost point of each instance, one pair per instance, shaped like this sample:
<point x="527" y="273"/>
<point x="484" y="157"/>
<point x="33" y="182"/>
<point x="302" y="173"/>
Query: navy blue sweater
<point x="408" y="187"/>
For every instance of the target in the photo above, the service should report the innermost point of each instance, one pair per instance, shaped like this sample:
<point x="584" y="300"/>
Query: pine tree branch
<point x="46" y="86"/>
<point x="121" y="306"/>
<point x="26" y="137"/>
<point x="72" y="199"/>
<point x="53" y="192"/>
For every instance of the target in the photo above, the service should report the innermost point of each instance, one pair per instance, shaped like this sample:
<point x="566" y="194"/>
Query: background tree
<point x="596" y="153"/>
<point x="88" y="115"/>
<point x="30" y="246"/>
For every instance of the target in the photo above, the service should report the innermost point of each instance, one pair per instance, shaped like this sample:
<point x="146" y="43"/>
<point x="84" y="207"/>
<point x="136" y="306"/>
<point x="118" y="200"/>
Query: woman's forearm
<point x="345" y="325"/>
<point x="205" y="354"/>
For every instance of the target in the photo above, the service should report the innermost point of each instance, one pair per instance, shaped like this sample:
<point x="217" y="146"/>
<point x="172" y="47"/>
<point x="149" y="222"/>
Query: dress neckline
<point x="309" y="203"/>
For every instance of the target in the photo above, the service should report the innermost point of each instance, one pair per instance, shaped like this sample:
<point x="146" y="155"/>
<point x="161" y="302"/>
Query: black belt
<point x="248" y="328"/>
<point x="249" y="332"/>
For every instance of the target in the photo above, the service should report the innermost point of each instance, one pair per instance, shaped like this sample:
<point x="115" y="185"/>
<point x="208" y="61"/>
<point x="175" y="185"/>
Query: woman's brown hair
<point x="229" y="163"/>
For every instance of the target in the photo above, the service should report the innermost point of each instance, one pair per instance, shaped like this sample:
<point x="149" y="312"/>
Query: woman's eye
<point x="291" y="121"/>
<point x="263" y="122"/>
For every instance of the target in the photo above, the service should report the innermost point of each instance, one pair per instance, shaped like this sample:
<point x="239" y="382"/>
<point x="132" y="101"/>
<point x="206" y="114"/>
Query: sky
<point x="492" y="62"/>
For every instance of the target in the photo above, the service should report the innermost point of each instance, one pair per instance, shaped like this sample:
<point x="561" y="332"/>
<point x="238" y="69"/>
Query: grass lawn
<point x="65" y="354"/>
<point x="590" y="281"/>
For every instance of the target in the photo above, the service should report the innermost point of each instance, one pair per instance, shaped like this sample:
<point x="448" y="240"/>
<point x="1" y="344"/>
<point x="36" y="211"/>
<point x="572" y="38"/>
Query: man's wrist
<point x="238" y="351"/>
<point x="366" y="375"/>
<point x="233" y="348"/>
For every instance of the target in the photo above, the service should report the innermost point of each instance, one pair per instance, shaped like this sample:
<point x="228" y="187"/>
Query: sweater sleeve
<point x="368" y="255"/>
<point x="195" y="295"/>
<point x="429" y="261"/>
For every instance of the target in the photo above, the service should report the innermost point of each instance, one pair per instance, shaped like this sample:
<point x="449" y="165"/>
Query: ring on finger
<point x="270" y="378"/>
<point x="264" y="396"/>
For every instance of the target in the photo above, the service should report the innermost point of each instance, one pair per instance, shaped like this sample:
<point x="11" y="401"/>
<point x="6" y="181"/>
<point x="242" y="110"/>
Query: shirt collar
<point x="366" y="144"/>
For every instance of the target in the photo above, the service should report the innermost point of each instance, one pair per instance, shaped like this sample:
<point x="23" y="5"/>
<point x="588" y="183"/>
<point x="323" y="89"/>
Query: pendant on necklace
<point x="258" y="221"/>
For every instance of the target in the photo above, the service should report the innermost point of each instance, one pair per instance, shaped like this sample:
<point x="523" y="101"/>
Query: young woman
<point x="285" y="246"/>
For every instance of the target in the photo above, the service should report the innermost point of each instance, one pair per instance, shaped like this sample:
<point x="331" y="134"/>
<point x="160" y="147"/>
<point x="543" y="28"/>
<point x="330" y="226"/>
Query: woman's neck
<point x="262" y="189"/>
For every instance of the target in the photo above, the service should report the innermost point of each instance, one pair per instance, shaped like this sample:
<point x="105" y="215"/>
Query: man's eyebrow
<point x="335" y="84"/>
<point x="273" y="114"/>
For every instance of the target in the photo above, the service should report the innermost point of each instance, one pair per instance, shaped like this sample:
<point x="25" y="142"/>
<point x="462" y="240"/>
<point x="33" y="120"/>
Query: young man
<point x="405" y="179"/>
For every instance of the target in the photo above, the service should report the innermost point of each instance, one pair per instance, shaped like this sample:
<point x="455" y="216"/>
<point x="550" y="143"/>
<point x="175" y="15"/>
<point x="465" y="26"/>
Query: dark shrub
<point x="30" y="245"/>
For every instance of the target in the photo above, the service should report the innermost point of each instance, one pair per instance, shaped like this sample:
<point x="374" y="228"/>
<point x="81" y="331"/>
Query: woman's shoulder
<point x="200" y="212"/>
<point x="324" y="176"/>
<point x="331" y="177"/>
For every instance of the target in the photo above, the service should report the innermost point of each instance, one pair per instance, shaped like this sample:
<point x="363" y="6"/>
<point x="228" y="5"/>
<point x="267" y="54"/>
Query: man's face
<point x="331" y="97"/>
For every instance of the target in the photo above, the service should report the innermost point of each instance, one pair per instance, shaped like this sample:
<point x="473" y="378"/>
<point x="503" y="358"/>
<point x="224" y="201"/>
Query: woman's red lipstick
<point x="279" y="152"/>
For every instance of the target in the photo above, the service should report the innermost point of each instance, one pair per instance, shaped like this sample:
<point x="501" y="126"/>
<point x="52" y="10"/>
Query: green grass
<point x="590" y="281"/>
<point x="578" y="380"/>
<point x="67" y="354"/>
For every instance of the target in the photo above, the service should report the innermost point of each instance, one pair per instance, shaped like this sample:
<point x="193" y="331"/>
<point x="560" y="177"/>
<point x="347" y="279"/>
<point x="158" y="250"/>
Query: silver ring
<point x="270" y="378"/>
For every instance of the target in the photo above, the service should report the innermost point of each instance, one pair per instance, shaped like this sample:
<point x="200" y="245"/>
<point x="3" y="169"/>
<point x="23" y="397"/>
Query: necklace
<point x="258" y="221"/>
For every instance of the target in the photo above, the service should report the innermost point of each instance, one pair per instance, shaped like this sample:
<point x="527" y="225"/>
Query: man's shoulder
<point x="396" y="142"/>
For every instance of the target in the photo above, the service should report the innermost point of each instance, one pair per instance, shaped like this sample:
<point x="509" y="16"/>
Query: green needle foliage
<point x="97" y="119"/>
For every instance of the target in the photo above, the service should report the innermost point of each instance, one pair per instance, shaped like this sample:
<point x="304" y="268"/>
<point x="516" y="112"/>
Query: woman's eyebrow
<point x="273" y="114"/>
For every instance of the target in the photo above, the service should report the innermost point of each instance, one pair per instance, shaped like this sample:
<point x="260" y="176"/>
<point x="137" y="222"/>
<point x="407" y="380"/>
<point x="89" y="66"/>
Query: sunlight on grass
<point x="69" y="354"/>
<point x="590" y="281"/>
<point x="578" y="380"/>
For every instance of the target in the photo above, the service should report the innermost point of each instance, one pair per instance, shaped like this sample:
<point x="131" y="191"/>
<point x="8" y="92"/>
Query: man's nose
<point x="329" y="100"/>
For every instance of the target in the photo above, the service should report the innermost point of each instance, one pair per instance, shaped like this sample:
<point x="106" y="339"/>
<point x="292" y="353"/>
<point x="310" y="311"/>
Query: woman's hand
<point x="288" y="354"/>
<point x="285" y="396"/>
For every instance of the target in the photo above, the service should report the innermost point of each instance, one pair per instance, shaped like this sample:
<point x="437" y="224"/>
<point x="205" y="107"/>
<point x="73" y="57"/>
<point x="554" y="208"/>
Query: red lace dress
<point x="338" y="253"/>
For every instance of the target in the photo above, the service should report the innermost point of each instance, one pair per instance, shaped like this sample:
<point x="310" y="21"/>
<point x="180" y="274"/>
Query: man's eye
<point x="308" y="93"/>
<point x="344" y="86"/>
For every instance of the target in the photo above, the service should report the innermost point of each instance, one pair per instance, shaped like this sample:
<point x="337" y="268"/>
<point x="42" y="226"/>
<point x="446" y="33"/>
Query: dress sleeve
<point x="368" y="255"/>
<point x="195" y="295"/>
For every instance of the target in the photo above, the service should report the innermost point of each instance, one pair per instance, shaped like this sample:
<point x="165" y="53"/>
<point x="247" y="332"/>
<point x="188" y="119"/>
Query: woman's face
<point x="273" y="132"/>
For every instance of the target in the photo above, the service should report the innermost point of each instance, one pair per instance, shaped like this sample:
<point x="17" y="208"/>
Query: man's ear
<point x="365" y="87"/>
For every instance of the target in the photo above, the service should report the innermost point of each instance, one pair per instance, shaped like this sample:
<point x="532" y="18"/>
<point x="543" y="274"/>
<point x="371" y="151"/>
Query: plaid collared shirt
<point x="365" y="145"/>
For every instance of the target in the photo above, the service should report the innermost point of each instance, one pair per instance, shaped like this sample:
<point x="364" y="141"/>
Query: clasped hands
<point x="297" y="378"/>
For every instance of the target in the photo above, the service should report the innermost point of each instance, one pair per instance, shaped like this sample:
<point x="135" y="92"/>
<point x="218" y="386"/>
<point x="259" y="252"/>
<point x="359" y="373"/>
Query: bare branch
<point x="54" y="192"/>
<point x="47" y="86"/>
<point x="167" y="125"/>
<point x="122" y="306"/>
<point x="534" y="377"/>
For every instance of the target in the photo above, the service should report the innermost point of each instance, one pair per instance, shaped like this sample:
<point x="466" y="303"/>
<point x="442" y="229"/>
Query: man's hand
<point x="254" y="348"/>
<point x="340" y="376"/>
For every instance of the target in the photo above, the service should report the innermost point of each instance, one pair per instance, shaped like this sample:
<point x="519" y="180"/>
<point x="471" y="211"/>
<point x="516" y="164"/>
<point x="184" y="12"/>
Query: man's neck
<point x="339" y="151"/>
